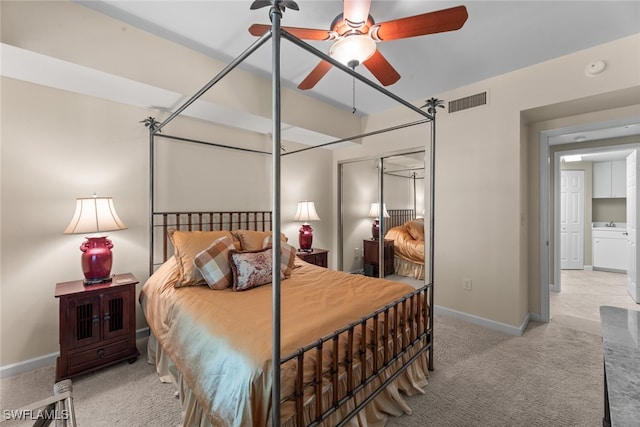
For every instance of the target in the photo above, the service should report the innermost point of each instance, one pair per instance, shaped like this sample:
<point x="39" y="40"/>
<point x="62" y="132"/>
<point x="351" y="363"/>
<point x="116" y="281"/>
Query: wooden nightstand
<point x="316" y="256"/>
<point x="97" y="325"/>
<point x="371" y="257"/>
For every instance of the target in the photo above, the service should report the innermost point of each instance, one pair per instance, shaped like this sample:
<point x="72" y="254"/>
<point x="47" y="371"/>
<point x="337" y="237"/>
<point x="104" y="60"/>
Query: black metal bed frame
<point x="277" y="8"/>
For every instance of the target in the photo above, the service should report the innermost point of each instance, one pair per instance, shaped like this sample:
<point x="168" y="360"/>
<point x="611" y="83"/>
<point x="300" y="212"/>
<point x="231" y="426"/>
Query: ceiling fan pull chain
<point x="354" y="93"/>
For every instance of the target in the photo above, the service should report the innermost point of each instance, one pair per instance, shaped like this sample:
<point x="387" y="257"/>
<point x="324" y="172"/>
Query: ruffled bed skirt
<point x="407" y="268"/>
<point x="388" y="402"/>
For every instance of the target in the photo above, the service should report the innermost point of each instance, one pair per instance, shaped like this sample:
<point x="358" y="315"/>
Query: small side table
<point x="97" y="325"/>
<point x="316" y="256"/>
<point x="371" y="257"/>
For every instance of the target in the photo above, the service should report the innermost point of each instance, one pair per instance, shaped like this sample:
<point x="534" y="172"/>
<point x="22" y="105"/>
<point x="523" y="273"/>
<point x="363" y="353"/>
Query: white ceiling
<point x="498" y="37"/>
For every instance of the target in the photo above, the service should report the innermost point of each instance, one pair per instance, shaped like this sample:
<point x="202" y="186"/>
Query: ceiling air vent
<point x="468" y="102"/>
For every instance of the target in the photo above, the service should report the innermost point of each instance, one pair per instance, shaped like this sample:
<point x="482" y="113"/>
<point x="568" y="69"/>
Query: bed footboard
<point x="351" y="366"/>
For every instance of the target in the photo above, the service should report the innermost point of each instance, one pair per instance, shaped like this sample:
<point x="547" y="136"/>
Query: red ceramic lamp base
<point x="375" y="230"/>
<point x="96" y="260"/>
<point x="305" y="238"/>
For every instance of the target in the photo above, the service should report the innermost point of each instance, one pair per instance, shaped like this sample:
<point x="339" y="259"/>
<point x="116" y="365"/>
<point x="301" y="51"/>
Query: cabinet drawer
<point x="98" y="355"/>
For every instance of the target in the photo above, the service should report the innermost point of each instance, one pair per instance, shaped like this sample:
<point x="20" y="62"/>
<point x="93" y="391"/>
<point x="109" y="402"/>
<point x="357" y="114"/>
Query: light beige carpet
<point x="122" y="395"/>
<point x="551" y="376"/>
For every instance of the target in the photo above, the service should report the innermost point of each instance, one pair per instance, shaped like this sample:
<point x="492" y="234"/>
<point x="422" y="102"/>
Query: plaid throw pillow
<point x="213" y="263"/>
<point x="288" y="257"/>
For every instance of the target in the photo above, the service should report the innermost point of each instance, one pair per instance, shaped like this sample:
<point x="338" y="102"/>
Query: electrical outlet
<point x="356" y="253"/>
<point x="466" y="284"/>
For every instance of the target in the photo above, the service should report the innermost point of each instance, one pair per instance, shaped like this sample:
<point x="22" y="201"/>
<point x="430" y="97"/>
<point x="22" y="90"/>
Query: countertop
<point x="621" y="347"/>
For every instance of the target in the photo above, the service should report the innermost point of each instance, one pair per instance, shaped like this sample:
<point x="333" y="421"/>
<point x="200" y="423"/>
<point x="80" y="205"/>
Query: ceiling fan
<point x="354" y="34"/>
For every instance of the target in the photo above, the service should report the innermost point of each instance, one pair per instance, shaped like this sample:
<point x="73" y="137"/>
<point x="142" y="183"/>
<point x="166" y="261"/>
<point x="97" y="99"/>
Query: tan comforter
<point x="221" y="340"/>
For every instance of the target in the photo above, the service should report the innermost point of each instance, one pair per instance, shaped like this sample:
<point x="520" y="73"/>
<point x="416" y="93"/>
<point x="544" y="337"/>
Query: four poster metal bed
<point x="328" y="381"/>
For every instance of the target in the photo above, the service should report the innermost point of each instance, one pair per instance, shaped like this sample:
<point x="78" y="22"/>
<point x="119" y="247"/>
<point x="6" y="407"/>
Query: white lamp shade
<point x="374" y="212"/>
<point x="94" y="215"/>
<point x="306" y="212"/>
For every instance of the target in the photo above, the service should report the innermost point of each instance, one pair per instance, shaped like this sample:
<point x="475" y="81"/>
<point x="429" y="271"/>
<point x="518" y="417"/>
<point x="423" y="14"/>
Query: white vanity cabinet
<point x="610" y="179"/>
<point x="610" y="247"/>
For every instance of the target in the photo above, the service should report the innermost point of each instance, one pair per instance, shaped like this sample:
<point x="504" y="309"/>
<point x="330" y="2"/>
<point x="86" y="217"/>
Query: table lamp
<point x="306" y="212"/>
<point x="95" y="216"/>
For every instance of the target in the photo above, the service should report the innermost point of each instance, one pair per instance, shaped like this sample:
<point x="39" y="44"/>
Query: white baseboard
<point x="535" y="317"/>
<point x="46" y="360"/>
<point x="487" y="323"/>
<point x="28" y="365"/>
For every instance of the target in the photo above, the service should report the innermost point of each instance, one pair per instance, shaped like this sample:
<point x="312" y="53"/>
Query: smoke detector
<point x="595" y="68"/>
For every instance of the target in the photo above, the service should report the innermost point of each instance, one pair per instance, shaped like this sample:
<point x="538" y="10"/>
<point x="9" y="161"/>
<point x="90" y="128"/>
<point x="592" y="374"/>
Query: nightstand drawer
<point x="99" y="356"/>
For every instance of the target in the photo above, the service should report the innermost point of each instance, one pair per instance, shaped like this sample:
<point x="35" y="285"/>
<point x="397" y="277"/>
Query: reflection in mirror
<point x="404" y="191"/>
<point x="403" y="198"/>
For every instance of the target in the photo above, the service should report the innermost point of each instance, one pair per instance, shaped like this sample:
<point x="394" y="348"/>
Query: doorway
<point x="603" y="135"/>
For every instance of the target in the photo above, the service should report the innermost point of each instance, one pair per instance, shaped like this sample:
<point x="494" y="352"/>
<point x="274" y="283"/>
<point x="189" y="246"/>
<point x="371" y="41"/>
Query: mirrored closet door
<point x="385" y="241"/>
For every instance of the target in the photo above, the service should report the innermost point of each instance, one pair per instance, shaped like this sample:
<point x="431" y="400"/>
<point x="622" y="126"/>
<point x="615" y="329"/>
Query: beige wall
<point x="487" y="172"/>
<point x="57" y="146"/>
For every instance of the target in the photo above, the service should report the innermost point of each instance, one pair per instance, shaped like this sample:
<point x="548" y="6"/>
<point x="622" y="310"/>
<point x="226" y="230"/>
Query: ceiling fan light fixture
<point x="353" y="49"/>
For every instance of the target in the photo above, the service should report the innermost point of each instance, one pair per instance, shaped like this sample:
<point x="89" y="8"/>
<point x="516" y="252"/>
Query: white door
<point x="572" y="220"/>
<point x="632" y="225"/>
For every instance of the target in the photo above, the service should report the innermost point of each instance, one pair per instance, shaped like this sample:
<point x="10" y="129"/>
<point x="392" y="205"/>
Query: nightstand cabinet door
<point x="81" y="321"/>
<point x="116" y="314"/>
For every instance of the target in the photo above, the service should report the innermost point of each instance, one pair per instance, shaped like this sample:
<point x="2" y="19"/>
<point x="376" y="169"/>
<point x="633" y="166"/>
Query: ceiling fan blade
<point x="315" y="75"/>
<point x="302" y="33"/>
<point x="382" y="69"/>
<point x="356" y="13"/>
<point x="420" y="25"/>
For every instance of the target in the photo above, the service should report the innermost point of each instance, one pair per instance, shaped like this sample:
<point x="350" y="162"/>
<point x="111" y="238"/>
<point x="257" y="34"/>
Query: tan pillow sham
<point x="415" y="228"/>
<point x="252" y="240"/>
<point x="188" y="244"/>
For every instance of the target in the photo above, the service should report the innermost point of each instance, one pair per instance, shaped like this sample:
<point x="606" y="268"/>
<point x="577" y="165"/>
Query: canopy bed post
<point x="381" y="266"/>
<point x="432" y="105"/>
<point x="153" y="126"/>
<point x="275" y="15"/>
<point x="415" y="204"/>
<point x="151" y="196"/>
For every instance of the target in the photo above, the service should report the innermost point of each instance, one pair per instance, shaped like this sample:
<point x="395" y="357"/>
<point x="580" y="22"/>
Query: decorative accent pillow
<point x="187" y="244"/>
<point x="250" y="268"/>
<point x="415" y="228"/>
<point x="252" y="240"/>
<point x="287" y="257"/>
<point x="213" y="264"/>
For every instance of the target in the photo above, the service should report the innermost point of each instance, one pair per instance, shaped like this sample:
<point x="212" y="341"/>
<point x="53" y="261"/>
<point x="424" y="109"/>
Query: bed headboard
<point x="398" y="217"/>
<point x="201" y="221"/>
